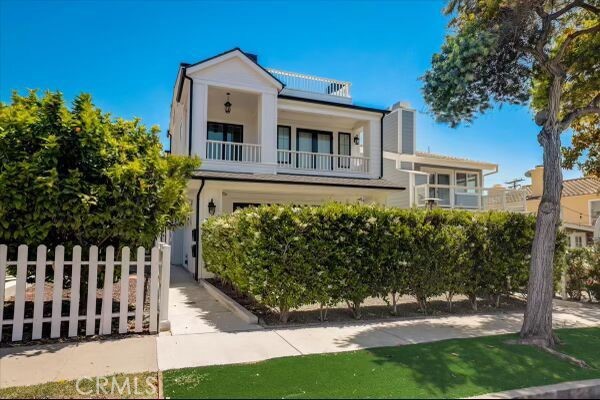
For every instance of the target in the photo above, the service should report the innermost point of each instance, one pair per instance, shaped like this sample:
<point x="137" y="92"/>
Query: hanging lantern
<point x="227" y="105"/>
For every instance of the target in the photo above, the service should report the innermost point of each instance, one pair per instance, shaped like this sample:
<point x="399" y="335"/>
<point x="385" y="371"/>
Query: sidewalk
<point x="30" y="365"/>
<point x="194" y="350"/>
<point x="45" y="363"/>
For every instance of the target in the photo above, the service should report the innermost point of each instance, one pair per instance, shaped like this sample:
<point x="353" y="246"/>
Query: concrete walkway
<point x="193" y="310"/>
<point x="204" y="332"/>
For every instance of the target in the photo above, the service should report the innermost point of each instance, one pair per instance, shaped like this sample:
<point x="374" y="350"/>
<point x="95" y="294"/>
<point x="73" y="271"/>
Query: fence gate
<point x="52" y="293"/>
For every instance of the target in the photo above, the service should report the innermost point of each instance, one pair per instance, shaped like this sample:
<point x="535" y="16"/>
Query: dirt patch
<point x="9" y="306"/>
<point x="372" y="308"/>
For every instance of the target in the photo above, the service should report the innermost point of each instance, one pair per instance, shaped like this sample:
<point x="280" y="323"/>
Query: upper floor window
<point x="469" y="180"/>
<point x="594" y="211"/>
<point x="220" y="136"/>
<point x="284" y="142"/>
<point x="344" y="149"/>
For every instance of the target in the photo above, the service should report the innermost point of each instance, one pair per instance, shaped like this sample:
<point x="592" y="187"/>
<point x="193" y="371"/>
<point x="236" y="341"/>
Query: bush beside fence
<point x="583" y="273"/>
<point x="288" y="256"/>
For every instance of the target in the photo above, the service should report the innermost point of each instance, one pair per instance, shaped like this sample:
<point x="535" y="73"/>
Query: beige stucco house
<point x="580" y="204"/>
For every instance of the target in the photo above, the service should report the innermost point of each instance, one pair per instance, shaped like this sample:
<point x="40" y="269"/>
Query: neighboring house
<point x="268" y="136"/>
<point x="580" y="204"/>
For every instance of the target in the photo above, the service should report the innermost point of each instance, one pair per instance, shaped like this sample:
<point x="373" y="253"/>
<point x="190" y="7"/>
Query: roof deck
<point x="313" y="87"/>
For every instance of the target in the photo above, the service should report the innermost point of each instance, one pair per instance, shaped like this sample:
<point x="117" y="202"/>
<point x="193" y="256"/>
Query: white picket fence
<point x="156" y="270"/>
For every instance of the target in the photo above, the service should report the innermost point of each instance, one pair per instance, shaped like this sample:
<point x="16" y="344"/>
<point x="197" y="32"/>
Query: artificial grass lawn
<point x="451" y="368"/>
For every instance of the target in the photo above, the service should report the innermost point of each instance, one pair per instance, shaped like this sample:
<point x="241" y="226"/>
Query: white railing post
<point x="154" y="290"/>
<point x="17" y="329"/>
<point x="3" y="262"/>
<point x="75" y="284"/>
<point x="40" y="280"/>
<point x="165" y="277"/>
<point x="107" y="292"/>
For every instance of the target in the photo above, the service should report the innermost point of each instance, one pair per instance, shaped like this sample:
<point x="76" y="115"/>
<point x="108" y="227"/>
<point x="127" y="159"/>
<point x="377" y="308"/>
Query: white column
<point x="267" y="123"/>
<point x="199" y="119"/>
<point x="374" y="135"/>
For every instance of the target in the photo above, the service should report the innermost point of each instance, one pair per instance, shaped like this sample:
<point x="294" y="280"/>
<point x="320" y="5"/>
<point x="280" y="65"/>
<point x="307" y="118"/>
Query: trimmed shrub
<point x="289" y="256"/>
<point x="583" y="273"/>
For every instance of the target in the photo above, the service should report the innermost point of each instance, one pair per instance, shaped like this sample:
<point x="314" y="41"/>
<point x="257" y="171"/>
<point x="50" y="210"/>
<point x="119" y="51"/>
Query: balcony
<point x="322" y="162"/>
<point x="314" y="87"/>
<point x="471" y="198"/>
<point x="235" y="155"/>
<point x="235" y="152"/>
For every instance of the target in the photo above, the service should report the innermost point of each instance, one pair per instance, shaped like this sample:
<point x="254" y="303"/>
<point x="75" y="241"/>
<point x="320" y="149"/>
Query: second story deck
<point x="313" y="87"/>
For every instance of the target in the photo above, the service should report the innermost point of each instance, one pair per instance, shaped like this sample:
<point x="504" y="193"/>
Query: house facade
<point x="267" y="136"/>
<point x="579" y="206"/>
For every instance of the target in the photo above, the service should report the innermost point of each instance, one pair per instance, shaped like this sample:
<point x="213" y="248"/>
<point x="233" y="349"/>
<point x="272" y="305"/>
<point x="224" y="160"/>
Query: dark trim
<point x="190" y="110"/>
<point x="344" y="164"/>
<point x="381" y="146"/>
<point x="315" y="146"/>
<point x="290" y="128"/>
<point x="333" y="104"/>
<point x="245" y="55"/>
<point x="250" y="179"/>
<point x="197" y="258"/>
<point x="289" y="158"/>
<point x="350" y="142"/>
<point x="314" y="142"/>
<point x="225" y="123"/>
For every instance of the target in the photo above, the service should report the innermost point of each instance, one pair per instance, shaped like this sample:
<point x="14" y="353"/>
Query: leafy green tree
<point x="544" y="53"/>
<point x="584" y="151"/>
<point x="77" y="176"/>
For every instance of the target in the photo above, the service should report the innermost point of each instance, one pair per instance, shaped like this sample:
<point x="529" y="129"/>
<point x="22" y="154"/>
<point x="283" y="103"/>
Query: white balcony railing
<point x="302" y="160"/>
<point x="236" y="152"/>
<point x="475" y="198"/>
<point x="313" y="84"/>
<point x="505" y="199"/>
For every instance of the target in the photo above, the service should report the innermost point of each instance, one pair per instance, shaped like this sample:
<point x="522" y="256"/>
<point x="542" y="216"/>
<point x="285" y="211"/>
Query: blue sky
<point x="126" y="54"/>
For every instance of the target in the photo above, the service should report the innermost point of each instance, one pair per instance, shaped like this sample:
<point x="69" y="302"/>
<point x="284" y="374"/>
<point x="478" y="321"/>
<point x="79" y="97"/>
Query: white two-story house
<point x="267" y="136"/>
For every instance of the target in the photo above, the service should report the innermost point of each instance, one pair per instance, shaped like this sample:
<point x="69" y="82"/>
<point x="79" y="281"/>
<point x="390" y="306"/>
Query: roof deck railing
<point x="312" y="84"/>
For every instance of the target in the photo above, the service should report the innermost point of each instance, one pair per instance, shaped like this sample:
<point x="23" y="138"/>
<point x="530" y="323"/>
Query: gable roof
<point x="243" y="55"/>
<point x="574" y="187"/>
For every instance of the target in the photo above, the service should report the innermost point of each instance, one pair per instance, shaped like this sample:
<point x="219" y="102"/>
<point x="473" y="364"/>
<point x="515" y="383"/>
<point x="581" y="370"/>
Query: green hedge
<point x="288" y="256"/>
<point x="583" y="273"/>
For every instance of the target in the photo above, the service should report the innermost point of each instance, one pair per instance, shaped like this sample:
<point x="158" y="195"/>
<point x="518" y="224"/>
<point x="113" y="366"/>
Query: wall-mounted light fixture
<point x="356" y="140"/>
<point x="211" y="207"/>
<point x="227" y="105"/>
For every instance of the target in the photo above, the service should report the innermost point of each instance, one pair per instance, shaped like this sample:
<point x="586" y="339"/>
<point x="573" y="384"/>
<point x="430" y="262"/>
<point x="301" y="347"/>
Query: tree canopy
<point x="78" y="176"/>
<point x="509" y="51"/>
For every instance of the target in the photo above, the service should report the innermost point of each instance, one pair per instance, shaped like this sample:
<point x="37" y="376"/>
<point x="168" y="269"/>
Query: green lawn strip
<point x="68" y="389"/>
<point x="452" y="368"/>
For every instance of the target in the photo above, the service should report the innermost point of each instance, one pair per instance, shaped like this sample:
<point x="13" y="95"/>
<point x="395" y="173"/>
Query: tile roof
<point x="297" y="179"/>
<point x="575" y="187"/>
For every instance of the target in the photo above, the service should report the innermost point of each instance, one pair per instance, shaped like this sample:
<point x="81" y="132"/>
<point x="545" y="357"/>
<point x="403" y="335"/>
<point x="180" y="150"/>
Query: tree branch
<point x="570" y="6"/>
<point x="564" y="45"/>
<point x="592" y="108"/>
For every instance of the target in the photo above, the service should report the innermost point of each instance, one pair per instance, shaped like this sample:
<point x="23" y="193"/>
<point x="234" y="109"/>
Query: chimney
<point x="253" y="57"/>
<point x="537" y="180"/>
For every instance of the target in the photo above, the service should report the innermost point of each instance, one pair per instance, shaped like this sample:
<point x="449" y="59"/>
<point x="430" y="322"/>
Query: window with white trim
<point x="594" y="211"/>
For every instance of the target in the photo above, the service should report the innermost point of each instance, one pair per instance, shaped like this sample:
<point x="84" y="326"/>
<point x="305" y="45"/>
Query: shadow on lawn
<point x="487" y="364"/>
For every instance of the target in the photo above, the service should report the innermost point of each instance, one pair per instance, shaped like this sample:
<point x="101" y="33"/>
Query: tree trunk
<point x="537" y="325"/>
<point x="473" y="301"/>
<point x="394" y="304"/>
